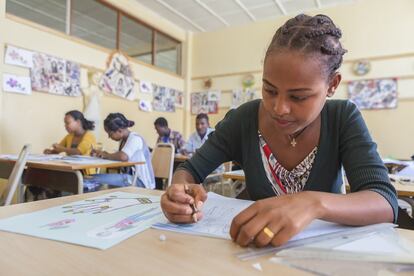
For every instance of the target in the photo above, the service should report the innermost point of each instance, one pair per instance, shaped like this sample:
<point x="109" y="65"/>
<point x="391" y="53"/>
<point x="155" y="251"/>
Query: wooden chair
<point x="163" y="162"/>
<point x="15" y="177"/>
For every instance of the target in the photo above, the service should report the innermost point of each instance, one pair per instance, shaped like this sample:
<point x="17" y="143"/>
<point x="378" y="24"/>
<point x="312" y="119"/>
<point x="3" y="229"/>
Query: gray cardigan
<point x="344" y="141"/>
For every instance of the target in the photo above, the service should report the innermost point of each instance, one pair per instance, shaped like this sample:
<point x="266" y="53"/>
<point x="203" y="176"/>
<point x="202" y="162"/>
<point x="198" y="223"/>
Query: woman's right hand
<point x="175" y="202"/>
<point x="48" y="151"/>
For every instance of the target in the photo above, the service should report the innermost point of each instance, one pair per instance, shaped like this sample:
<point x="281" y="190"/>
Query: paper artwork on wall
<point x="240" y="96"/>
<point x="118" y="79"/>
<point x="200" y="103"/>
<point x="163" y="99"/>
<point x="17" y="84"/>
<point x="145" y="87"/>
<point x="214" y="96"/>
<point x="18" y="56"/>
<point x="145" y="105"/>
<point x="374" y="94"/>
<point x="55" y="75"/>
<point x="179" y="98"/>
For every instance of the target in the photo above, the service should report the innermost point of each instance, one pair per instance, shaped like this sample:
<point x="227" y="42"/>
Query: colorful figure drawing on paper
<point x="102" y="205"/>
<point x="64" y="223"/>
<point x="129" y="223"/>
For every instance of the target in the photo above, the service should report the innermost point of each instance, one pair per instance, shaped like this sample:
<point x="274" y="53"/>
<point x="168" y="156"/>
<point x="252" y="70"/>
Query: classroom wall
<point x="38" y="119"/>
<point x="378" y="30"/>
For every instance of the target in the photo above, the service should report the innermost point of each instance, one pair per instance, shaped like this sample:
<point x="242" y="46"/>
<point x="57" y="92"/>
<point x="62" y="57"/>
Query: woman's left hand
<point x="275" y="220"/>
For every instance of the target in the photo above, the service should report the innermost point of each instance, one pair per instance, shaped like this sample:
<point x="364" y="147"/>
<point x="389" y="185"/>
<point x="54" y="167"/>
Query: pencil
<point x="192" y="205"/>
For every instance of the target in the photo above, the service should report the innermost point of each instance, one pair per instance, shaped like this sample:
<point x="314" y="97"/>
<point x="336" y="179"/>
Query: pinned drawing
<point x="179" y="98"/>
<point x="374" y="94"/>
<point x="163" y="99"/>
<point x="241" y="96"/>
<point x="205" y="102"/>
<point x="118" y="79"/>
<point x="17" y="84"/>
<point x="55" y="75"/>
<point x="145" y="105"/>
<point x="18" y="56"/>
<point x="145" y="87"/>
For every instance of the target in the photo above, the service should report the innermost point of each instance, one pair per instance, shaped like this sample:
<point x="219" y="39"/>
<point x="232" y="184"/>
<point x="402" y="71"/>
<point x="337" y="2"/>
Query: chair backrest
<point x="15" y="176"/>
<point x="163" y="161"/>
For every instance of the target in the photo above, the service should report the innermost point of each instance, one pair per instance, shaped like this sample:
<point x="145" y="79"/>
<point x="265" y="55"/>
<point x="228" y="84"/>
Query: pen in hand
<point x="192" y="205"/>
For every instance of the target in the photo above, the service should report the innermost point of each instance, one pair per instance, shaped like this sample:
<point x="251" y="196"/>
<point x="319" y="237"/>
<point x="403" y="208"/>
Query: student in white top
<point x="198" y="138"/>
<point x="132" y="148"/>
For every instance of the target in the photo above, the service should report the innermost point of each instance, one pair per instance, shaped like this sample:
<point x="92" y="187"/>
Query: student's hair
<point x="311" y="35"/>
<point x="202" y="116"/>
<point x="161" y="121"/>
<point x="78" y="116"/>
<point x="115" y="121"/>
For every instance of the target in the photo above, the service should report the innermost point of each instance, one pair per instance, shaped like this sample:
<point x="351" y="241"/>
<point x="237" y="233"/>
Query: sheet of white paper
<point x="376" y="244"/>
<point x="18" y="56"/>
<point x="17" y="84"/>
<point x="99" y="222"/>
<point x="34" y="157"/>
<point x="218" y="212"/>
<point x="81" y="159"/>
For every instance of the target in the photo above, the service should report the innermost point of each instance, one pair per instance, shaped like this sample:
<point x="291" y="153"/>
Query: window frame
<point x="120" y="13"/>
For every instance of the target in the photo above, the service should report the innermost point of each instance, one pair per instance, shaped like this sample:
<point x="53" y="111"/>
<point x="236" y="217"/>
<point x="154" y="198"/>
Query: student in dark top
<point x="292" y="145"/>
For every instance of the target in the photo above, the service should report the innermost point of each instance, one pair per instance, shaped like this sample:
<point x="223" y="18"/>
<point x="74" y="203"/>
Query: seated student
<point x="292" y="145"/>
<point x="132" y="148"/>
<point x="166" y="135"/>
<point x="80" y="138"/>
<point x="79" y="141"/>
<point x="198" y="138"/>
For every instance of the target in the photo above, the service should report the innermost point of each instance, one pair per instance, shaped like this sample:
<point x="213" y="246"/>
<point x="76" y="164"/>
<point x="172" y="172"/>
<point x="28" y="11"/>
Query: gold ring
<point x="268" y="232"/>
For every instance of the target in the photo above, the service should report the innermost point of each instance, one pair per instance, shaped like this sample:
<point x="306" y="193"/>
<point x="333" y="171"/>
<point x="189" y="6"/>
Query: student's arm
<point x="57" y="147"/>
<point x="118" y="156"/>
<point x="217" y="149"/>
<point x="133" y="144"/>
<point x="373" y="198"/>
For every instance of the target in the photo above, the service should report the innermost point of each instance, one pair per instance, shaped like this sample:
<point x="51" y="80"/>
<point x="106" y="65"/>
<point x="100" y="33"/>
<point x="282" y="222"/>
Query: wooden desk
<point x="57" y="175"/>
<point x="179" y="158"/>
<point x="142" y="254"/>
<point x="235" y="175"/>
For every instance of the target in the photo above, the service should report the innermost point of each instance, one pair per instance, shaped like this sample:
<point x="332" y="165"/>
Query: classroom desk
<point x="402" y="190"/>
<point x="142" y="254"/>
<point x="56" y="174"/>
<point x="179" y="158"/>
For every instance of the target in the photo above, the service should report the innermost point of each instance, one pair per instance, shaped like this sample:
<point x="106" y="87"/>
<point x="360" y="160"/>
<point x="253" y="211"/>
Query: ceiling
<point x="210" y="15"/>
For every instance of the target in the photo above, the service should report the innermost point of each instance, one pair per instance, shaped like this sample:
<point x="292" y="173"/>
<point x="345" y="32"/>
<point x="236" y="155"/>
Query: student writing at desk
<point x="292" y="145"/>
<point x="132" y="147"/>
<point x="167" y="135"/>
<point x="79" y="141"/>
<point x="80" y="138"/>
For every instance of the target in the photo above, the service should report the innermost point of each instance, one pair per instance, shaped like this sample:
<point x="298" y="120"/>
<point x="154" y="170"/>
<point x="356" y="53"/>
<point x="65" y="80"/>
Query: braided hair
<point x="78" y="116"/>
<point x="115" y="121"/>
<point x="311" y="35"/>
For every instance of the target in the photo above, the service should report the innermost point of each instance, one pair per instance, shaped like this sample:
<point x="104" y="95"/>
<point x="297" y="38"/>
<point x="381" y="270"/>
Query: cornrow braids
<point x="115" y="121"/>
<point x="311" y="35"/>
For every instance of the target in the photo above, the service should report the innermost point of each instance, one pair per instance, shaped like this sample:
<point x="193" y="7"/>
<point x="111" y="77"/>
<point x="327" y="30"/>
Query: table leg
<point x="79" y="176"/>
